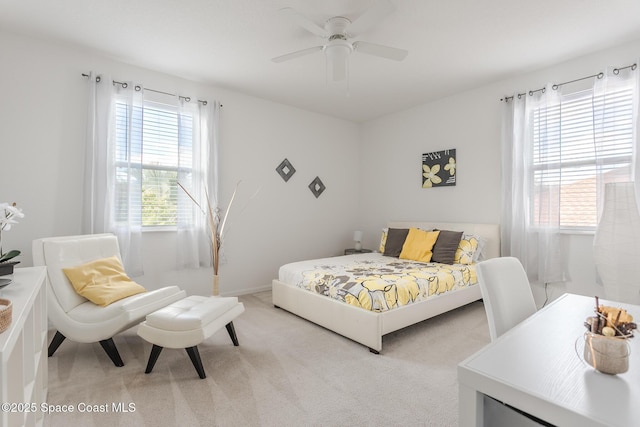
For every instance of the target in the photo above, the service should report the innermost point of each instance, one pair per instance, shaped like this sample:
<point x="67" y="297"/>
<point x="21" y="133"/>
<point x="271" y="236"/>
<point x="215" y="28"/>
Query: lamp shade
<point x="357" y="237"/>
<point x="616" y="245"/>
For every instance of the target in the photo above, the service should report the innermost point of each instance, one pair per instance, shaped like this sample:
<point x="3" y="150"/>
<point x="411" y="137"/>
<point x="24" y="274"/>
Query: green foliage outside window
<point x="159" y="197"/>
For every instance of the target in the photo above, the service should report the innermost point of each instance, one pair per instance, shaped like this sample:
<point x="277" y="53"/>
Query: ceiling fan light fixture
<point x="337" y="54"/>
<point x="337" y="34"/>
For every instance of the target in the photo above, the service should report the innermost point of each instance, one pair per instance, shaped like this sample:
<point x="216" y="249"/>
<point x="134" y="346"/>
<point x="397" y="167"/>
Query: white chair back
<point x="69" y="251"/>
<point x="506" y="292"/>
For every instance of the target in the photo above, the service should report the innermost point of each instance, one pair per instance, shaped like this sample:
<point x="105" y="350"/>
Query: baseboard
<point x="248" y="291"/>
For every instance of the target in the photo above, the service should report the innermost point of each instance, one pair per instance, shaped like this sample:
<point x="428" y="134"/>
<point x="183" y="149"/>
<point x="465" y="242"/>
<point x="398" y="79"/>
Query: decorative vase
<point x="609" y="355"/>
<point x="616" y="244"/>
<point x="216" y="285"/>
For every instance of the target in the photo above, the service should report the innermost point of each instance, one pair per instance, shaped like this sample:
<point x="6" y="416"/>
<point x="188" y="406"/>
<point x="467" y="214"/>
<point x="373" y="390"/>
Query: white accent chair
<point x="506" y="292"/>
<point x="79" y="319"/>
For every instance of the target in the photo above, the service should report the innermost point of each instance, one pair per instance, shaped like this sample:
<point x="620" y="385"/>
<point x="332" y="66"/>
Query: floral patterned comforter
<point x="383" y="283"/>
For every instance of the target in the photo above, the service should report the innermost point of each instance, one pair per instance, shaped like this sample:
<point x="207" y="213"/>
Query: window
<point x="154" y="149"/>
<point x="583" y="143"/>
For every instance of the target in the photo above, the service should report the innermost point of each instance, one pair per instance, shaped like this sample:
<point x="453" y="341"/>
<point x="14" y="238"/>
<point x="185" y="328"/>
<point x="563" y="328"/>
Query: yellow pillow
<point x="102" y="281"/>
<point x="418" y="245"/>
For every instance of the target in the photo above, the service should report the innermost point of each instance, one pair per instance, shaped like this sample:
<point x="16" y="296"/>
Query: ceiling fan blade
<point x="380" y="50"/>
<point x="297" y="54"/>
<point x="304" y="22"/>
<point x="371" y="17"/>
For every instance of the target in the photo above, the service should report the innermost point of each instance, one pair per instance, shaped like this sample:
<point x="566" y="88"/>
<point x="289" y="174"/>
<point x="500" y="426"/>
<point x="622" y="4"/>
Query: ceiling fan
<point x="338" y="32"/>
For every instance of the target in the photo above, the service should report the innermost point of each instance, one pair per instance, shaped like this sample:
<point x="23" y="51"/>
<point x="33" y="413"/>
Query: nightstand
<point x="352" y="251"/>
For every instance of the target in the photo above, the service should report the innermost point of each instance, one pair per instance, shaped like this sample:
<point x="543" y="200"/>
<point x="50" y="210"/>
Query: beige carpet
<point x="286" y="372"/>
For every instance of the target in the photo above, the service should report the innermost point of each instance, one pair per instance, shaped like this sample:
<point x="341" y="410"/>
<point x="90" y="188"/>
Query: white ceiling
<point x="453" y="44"/>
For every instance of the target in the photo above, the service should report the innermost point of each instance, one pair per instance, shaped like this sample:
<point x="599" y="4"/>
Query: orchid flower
<point x="7" y="214"/>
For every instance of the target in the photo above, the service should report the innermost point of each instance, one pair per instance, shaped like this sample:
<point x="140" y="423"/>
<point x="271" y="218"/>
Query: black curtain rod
<point x="139" y="88"/>
<point x="600" y="75"/>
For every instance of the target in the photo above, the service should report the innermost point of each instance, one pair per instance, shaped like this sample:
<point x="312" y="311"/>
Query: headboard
<point x="490" y="232"/>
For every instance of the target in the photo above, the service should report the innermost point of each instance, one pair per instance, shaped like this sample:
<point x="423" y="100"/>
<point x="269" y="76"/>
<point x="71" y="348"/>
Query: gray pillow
<point x="395" y="240"/>
<point x="444" y="251"/>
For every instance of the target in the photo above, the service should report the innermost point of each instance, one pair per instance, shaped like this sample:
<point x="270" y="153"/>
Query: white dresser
<point x="23" y="349"/>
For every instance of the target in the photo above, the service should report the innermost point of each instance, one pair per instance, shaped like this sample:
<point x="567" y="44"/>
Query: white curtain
<point x="194" y="245"/>
<point x="112" y="174"/>
<point x="527" y="200"/>
<point x="95" y="171"/>
<point x="634" y="78"/>
<point x="606" y="93"/>
<point x="102" y="166"/>
<point x="530" y="228"/>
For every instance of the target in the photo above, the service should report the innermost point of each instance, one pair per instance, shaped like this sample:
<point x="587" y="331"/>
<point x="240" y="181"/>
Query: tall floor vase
<point x="616" y="245"/>
<point x="216" y="285"/>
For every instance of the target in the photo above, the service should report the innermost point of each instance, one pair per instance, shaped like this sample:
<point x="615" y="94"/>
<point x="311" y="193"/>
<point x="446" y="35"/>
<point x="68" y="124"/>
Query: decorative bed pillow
<point x="395" y="240"/>
<point x="383" y="240"/>
<point x="419" y="244"/>
<point x="479" y="254"/>
<point x="102" y="281"/>
<point x="444" y="251"/>
<point x="469" y="249"/>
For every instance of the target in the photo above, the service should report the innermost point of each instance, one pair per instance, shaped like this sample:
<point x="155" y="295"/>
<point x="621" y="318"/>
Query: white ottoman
<point x="188" y="322"/>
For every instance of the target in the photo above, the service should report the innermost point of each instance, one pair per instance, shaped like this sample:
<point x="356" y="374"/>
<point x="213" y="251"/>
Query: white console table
<point x="23" y="349"/>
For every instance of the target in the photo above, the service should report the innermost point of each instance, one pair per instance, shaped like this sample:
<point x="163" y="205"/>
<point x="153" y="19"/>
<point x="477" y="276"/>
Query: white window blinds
<point x="155" y="142"/>
<point x="580" y="145"/>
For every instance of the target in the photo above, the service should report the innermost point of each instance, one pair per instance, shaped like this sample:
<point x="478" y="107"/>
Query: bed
<point x="368" y="327"/>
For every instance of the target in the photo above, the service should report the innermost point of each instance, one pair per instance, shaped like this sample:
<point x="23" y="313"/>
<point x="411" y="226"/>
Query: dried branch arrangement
<point x="611" y="322"/>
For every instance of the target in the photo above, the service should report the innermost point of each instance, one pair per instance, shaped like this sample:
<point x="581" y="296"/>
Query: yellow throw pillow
<point x="102" y="281"/>
<point x="418" y="245"/>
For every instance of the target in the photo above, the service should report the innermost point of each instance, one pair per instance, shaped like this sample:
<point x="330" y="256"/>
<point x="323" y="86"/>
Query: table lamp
<point x="357" y="237"/>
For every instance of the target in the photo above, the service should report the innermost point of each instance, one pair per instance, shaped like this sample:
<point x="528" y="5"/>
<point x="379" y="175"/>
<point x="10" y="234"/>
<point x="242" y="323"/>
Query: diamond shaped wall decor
<point x="286" y="170"/>
<point x="317" y="187"/>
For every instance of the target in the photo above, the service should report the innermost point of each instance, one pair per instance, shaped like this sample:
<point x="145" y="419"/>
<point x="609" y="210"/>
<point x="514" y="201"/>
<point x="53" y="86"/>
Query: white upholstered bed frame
<point x="368" y="327"/>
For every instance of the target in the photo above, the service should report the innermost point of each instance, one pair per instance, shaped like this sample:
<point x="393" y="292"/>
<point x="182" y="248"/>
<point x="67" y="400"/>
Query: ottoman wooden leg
<point x="153" y="357"/>
<point x="194" y="355"/>
<point x="232" y="333"/>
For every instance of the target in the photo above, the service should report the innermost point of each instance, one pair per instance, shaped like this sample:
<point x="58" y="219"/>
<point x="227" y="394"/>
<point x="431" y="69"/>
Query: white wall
<point x="41" y="160"/>
<point x="43" y="114"/>
<point x="471" y="123"/>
